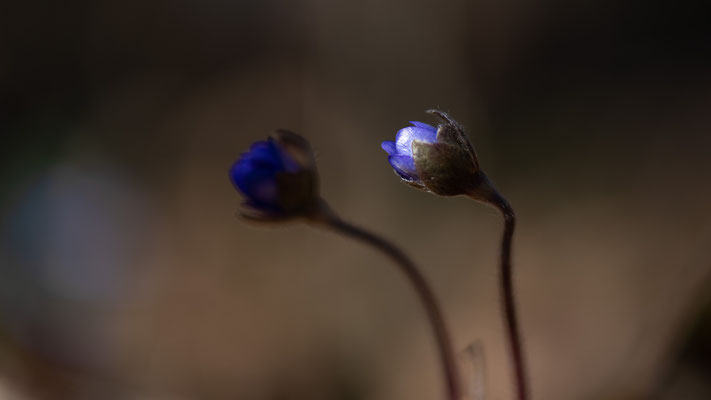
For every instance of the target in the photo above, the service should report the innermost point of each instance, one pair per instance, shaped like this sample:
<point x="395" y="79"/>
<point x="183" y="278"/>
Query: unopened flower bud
<point x="277" y="177"/>
<point x="439" y="160"/>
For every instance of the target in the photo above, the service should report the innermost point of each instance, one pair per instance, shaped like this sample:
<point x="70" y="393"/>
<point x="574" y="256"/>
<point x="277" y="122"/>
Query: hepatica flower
<point x="443" y="161"/>
<point x="440" y="160"/>
<point x="277" y="178"/>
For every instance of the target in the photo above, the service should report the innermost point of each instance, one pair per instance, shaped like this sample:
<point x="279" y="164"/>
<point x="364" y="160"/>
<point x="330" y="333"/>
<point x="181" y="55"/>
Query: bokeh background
<point x="125" y="273"/>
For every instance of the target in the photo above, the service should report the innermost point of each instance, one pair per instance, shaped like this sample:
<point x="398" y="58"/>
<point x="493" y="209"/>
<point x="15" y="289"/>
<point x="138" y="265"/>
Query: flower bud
<point x="439" y="160"/>
<point x="277" y="178"/>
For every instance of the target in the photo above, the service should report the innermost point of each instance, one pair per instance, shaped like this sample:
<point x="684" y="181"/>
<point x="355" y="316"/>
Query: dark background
<point x="125" y="274"/>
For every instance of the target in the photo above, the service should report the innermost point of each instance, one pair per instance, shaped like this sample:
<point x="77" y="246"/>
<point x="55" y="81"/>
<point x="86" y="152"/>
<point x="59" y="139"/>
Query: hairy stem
<point x="418" y="281"/>
<point x="507" y="294"/>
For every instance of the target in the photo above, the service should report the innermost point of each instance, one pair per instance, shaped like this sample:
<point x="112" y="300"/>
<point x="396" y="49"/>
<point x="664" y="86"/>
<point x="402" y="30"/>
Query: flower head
<point x="400" y="150"/>
<point x="439" y="160"/>
<point x="277" y="177"/>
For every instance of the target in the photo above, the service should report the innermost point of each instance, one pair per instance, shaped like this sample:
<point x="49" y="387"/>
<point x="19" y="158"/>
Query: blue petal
<point x="260" y="144"/>
<point x="389" y="147"/>
<point x="423" y="125"/>
<point x="256" y="180"/>
<point x="405" y="136"/>
<point x="404" y="166"/>
<point x="266" y="153"/>
<point x="238" y="173"/>
<point x="271" y="151"/>
<point x="254" y="173"/>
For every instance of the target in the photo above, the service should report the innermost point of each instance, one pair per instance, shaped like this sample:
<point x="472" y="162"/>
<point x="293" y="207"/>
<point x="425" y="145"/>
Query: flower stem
<point x="507" y="294"/>
<point x="328" y="219"/>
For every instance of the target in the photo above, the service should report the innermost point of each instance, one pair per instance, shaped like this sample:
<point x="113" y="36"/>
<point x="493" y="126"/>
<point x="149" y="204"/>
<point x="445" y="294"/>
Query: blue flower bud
<point x="400" y="151"/>
<point x="277" y="177"/>
<point x="439" y="160"/>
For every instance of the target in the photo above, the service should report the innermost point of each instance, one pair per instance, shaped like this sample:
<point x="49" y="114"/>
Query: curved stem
<point x="418" y="281"/>
<point x="507" y="294"/>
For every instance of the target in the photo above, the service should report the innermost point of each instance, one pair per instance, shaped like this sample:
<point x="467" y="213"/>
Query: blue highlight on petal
<point x="405" y="136"/>
<point x="400" y="151"/>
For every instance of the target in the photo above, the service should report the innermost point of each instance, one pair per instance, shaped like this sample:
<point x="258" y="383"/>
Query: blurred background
<point x="125" y="273"/>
